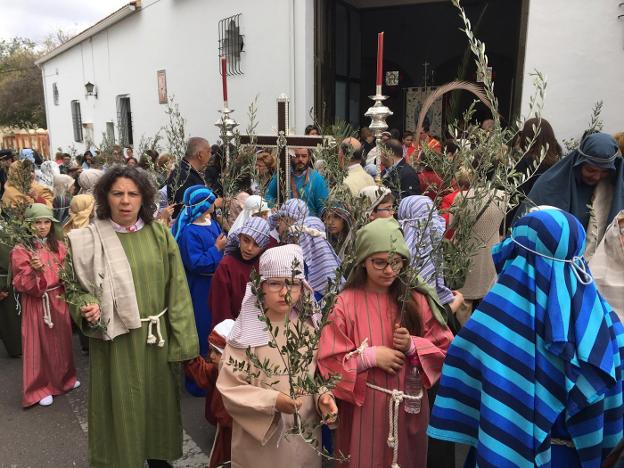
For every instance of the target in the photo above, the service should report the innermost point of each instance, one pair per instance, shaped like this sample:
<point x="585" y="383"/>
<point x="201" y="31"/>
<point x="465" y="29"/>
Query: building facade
<point x="113" y="80"/>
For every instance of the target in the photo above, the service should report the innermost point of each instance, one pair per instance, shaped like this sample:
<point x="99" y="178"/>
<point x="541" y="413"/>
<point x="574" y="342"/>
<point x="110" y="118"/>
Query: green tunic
<point x="10" y="320"/>
<point x="134" y="388"/>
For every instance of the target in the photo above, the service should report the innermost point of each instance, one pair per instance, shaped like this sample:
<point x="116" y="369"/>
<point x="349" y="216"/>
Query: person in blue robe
<point x="201" y="244"/>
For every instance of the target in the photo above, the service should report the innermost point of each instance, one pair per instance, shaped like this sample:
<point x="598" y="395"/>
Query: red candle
<point x="224" y="77"/>
<point x="380" y="40"/>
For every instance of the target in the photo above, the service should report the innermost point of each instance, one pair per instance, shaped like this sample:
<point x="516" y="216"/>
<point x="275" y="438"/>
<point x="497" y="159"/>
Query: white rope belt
<point x="154" y="320"/>
<point x="45" y="300"/>
<point x="396" y="398"/>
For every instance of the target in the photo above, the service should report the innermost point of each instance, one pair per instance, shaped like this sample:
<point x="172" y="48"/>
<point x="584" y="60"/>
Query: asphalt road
<point x="56" y="436"/>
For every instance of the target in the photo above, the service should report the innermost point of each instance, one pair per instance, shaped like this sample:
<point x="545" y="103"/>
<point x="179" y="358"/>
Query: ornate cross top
<point x="282" y="141"/>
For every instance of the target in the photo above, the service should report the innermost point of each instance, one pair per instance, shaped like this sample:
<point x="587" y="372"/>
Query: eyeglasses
<point x="279" y="285"/>
<point x="396" y="264"/>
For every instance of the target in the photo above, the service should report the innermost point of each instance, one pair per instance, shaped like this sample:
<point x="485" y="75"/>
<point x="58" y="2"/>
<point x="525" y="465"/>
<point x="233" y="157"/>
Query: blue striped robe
<point x="541" y="348"/>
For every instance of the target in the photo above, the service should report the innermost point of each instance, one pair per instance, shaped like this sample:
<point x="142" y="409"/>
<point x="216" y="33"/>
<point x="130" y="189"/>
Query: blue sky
<point x="36" y="19"/>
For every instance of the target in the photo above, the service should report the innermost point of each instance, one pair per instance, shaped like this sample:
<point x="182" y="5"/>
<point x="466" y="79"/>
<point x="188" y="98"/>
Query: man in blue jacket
<point x="306" y="183"/>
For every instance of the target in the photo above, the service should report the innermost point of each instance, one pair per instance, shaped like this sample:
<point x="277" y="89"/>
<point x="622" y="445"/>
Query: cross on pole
<point x="282" y="141"/>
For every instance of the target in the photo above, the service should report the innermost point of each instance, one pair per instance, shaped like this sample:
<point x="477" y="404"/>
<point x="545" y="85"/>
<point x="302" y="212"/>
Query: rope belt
<point x="45" y="300"/>
<point x="396" y="398"/>
<point x="154" y="320"/>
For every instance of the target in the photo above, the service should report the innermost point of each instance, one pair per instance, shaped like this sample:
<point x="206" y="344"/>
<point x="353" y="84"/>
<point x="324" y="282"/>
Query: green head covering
<point x="384" y="235"/>
<point x="39" y="211"/>
<point x="381" y="235"/>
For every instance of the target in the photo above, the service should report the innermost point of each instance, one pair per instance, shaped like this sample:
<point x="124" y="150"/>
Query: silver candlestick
<point x="226" y="125"/>
<point x="378" y="114"/>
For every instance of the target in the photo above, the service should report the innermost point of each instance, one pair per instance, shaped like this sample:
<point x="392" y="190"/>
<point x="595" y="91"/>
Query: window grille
<point x="124" y="120"/>
<point x="231" y="43"/>
<point x="76" y="121"/>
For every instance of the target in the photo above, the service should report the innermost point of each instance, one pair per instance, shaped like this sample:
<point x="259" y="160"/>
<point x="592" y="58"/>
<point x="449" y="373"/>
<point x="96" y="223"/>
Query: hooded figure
<point x="48" y="361"/>
<point x="424" y="229"/>
<point x="232" y="275"/>
<point x="48" y="170"/>
<point x="80" y="212"/>
<point x="253" y="205"/>
<point x="256" y="404"/>
<point x="534" y="378"/>
<point x="199" y="239"/>
<point x="588" y="183"/>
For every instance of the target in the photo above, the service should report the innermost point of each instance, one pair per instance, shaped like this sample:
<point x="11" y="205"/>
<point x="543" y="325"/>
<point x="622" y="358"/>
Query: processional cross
<point x="282" y="141"/>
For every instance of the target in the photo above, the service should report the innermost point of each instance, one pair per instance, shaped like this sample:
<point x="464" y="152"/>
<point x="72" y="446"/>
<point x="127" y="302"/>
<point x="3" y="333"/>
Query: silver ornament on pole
<point x="226" y="125"/>
<point x="378" y="114"/>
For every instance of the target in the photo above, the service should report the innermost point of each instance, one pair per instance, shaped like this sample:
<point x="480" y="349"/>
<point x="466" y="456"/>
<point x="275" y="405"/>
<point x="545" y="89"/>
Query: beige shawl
<point x="607" y="266"/>
<point x="102" y="268"/>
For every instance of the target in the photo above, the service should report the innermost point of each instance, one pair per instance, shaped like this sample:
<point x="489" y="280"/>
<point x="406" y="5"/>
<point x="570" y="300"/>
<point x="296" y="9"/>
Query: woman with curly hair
<point x="130" y="296"/>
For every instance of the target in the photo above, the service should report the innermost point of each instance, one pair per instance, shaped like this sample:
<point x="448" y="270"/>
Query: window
<point x="124" y="120"/>
<point x="76" y="121"/>
<point x="110" y="133"/>
<point x="55" y="94"/>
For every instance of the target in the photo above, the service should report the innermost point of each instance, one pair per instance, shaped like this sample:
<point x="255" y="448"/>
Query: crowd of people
<point x="170" y="280"/>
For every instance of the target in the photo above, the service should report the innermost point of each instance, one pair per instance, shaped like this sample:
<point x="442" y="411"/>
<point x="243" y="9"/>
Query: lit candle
<point x="224" y="78"/>
<point x="380" y="40"/>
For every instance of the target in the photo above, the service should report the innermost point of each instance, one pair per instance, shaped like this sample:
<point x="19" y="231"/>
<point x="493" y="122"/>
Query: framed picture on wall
<point x="161" y="76"/>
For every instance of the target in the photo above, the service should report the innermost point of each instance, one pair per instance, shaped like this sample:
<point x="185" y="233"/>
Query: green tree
<point x="21" y="88"/>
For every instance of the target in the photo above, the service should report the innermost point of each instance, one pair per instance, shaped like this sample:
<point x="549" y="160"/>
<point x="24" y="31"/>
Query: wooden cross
<point x="282" y="141"/>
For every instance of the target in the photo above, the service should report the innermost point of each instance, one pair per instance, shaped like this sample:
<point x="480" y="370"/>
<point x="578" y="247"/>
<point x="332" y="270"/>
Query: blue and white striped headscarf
<point x="294" y="208"/>
<point x="541" y="357"/>
<point x="320" y="259"/>
<point x="197" y="200"/>
<point x="423" y="229"/>
<point x="255" y="227"/>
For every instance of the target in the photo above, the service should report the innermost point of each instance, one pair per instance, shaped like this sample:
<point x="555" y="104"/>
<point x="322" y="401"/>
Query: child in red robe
<point x="232" y="275"/>
<point x="48" y="360"/>
<point x="375" y="339"/>
<point x="204" y="373"/>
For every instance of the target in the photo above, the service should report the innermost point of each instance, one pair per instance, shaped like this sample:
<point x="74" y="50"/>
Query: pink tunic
<point x="48" y="360"/>
<point x="363" y="412"/>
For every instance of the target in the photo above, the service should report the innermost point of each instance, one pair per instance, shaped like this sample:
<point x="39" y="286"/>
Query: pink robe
<point x="48" y="360"/>
<point x="363" y="412"/>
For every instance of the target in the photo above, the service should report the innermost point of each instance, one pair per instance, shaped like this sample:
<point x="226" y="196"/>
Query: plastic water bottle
<point x="413" y="387"/>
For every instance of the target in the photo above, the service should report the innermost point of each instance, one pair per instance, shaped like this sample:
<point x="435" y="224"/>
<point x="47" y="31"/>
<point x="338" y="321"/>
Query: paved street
<point x="56" y="436"/>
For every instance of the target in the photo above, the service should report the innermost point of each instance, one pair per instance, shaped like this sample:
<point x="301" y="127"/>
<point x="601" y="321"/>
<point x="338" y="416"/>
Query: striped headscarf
<point x="320" y="259"/>
<point x="249" y="330"/>
<point x="542" y="347"/>
<point x="423" y="229"/>
<point x="255" y="227"/>
<point x="197" y="200"/>
<point x="294" y="208"/>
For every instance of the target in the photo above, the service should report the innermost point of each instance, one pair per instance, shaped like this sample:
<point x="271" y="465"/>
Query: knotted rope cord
<point x="154" y="320"/>
<point x="597" y="159"/>
<point x="45" y="300"/>
<point x="357" y="351"/>
<point x="396" y="398"/>
<point x="579" y="268"/>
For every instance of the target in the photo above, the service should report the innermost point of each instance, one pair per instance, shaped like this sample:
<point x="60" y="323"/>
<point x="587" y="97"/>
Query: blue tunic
<point x="200" y="258"/>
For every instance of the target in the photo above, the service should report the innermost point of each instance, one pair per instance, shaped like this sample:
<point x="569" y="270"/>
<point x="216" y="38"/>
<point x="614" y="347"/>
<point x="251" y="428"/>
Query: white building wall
<point x="579" y="45"/>
<point x="182" y="38"/>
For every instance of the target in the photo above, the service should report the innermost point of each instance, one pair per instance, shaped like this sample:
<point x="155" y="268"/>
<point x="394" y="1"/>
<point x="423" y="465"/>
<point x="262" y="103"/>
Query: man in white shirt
<point x="350" y="153"/>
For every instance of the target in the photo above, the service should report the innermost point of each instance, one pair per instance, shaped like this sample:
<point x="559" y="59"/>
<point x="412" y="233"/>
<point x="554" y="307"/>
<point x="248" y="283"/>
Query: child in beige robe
<point x="261" y="408"/>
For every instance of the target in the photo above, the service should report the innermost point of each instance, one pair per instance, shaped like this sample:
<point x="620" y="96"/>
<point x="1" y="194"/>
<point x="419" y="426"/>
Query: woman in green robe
<point x="10" y="320"/>
<point x="128" y="293"/>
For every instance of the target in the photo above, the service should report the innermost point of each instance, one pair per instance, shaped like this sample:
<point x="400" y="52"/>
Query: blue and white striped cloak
<point x="543" y="347"/>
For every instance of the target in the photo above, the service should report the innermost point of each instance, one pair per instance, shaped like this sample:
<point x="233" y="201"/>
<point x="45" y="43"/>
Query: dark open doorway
<point x="423" y="44"/>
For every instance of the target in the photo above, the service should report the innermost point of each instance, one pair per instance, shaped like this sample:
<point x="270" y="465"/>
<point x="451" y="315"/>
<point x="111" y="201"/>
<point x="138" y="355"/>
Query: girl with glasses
<point x="378" y="332"/>
<point x="261" y="407"/>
